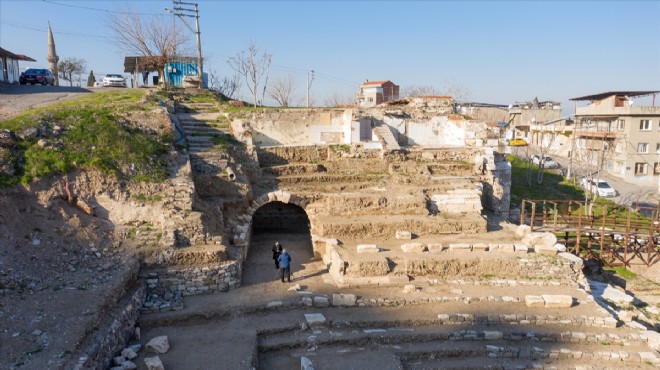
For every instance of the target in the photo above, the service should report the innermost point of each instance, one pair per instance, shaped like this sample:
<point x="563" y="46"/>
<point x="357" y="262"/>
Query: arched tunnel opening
<point x="280" y="222"/>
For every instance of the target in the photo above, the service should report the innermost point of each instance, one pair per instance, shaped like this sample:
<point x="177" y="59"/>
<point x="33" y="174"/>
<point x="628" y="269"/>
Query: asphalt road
<point x="15" y="98"/>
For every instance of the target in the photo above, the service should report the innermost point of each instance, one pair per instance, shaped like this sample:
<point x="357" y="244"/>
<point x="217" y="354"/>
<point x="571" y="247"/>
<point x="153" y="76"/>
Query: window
<point x="620" y="124"/>
<point x="657" y="148"/>
<point x="370" y="99"/>
<point x="644" y="125"/>
<point x="619" y="147"/>
<point x="656" y="168"/>
<point x="640" y="169"/>
<point x="642" y="148"/>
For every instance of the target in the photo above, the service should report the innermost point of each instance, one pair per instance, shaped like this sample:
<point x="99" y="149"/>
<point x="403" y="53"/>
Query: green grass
<point x="225" y="141"/>
<point x="95" y="135"/>
<point x="340" y="148"/>
<point x="622" y="272"/>
<point x="553" y="186"/>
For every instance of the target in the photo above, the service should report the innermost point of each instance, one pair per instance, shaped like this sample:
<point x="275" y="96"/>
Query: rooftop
<point x="604" y="95"/>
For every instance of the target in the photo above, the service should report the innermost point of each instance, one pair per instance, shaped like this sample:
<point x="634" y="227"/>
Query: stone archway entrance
<point x="277" y="221"/>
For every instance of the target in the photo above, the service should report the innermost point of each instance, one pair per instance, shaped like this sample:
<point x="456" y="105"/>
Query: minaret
<point x="52" y="57"/>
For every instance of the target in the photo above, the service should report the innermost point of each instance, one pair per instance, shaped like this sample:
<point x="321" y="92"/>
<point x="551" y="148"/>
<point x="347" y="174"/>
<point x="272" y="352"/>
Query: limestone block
<point x="493" y="335"/>
<point x="462" y="247"/>
<point x="560" y="247"/>
<point x="606" y="291"/>
<point x="508" y="248"/>
<point x="573" y="258"/>
<point x="306" y="364"/>
<point x="493" y="247"/>
<point x="315" y="320"/>
<point x="413" y="248"/>
<point x="403" y="235"/>
<point x="128" y="353"/>
<point x="557" y="301"/>
<point x="344" y="300"/>
<point x="409" y="288"/>
<point x="479" y="247"/>
<point x="368" y="265"/>
<point x="286" y="197"/>
<point x="320" y="301"/>
<point x="534" y="301"/>
<point x="119" y="360"/>
<point x="428" y="155"/>
<point x="435" y="247"/>
<point x="523" y="230"/>
<point x="154" y="363"/>
<point x="367" y="248"/>
<point x="129" y="365"/>
<point x="306" y="301"/>
<point x="653" y="339"/>
<point x="536" y="238"/>
<point x="521" y="248"/>
<point x="158" y="345"/>
<point x="274" y="304"/>
<point x="545" y="250"/>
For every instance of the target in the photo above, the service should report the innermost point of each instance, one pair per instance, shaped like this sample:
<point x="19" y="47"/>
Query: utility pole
<point x="177" y="11"/>
<point x="310" y="79"/>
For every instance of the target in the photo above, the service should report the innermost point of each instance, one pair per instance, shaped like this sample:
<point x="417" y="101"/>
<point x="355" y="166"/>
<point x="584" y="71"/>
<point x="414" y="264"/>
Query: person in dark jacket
<point x="277" y="249"/>
<point x="285" y="265"/>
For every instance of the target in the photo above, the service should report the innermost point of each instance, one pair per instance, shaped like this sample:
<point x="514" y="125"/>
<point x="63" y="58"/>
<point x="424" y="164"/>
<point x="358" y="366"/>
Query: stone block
<point x="158" y="345"/>
<point x="306" y="364"/>
<point x="435" y="247"/>
<point x="128" y="353"/>
<point x="320" y="301"/>
<point x="557" y="301"/>
<point x="545" y="250"/>
<point x="315" y="320"/>
<point x="560" y="247"/>
<point x="573" y="258"/>
<point x="368" y="265"/>
<point x="520" y="248"/>
<point x="274" y="304"/>
<point x="538" y="238"/>
<point x="344" y="300"/>
<point x="413" y="248"/>
<point x="403" y="235"/>
<point x="534" y="301"/>
<point x="154" y="363"/>
<point x="653" y="339"/>
<point x="367" y="248"/>
<point x="493" y="335"/>
<point x="479" y="247"/>
<point x="507" y="248"/>
<point x="523" y="230"/>
<point x="461" y="247"/>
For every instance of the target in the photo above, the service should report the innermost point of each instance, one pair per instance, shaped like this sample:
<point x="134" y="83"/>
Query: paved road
<point x="15" y="98"/>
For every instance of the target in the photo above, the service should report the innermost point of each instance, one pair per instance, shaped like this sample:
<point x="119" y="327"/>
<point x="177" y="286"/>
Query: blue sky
<point x="501" y="51"/>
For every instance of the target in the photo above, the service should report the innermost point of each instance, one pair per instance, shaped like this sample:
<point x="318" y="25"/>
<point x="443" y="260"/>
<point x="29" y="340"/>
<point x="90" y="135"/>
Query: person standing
<point x="285" y="265"/>
<point x="145" y="77"/>
<point x="277" y="250"/>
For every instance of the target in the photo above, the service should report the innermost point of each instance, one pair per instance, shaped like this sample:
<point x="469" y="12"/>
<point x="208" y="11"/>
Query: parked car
<point x="548" y="162"/>
<point x="114" y="80"/>
<point x="647" y="209"/>
<point x="37" y="76"/>
<point x="598" y="187"/>
<point x="517" y="142"/>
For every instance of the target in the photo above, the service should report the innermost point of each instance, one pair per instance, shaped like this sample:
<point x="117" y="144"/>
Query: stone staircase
<point x="386" y="137"/>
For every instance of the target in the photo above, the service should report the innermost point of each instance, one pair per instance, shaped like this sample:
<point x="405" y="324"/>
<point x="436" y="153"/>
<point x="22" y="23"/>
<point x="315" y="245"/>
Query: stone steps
<point x="325" y="177"/>
<point x="389" y="141"/>
<point x="370" y="226"/>
<point x="294" y="169"/>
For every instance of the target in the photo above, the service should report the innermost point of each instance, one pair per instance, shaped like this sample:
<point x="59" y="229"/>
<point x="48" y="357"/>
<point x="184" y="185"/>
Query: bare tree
<point x="418" y="90"/>
<point x="155" y="39"/>
<point x="69" y="67"/>
<point x="337" y="99"/>
<point x="252" y="67"/>
<point x="227" y="86"/>
<point x="281" y="90"/>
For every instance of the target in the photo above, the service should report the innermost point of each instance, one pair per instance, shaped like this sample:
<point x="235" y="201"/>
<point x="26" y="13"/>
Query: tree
<point x="156" y="40"/>
<point x="449" y="88"/>
<point x="252" y="67"/>
<point x="282" y="90"/>
<point x="337" y="100"/>
<point x="227" y="86"/>
<point x="419" y="90"/>
<point x="70" y="67"/>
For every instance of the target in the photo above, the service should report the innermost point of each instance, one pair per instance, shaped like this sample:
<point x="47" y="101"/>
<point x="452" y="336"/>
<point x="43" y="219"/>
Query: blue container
<point x="175" y="72"/>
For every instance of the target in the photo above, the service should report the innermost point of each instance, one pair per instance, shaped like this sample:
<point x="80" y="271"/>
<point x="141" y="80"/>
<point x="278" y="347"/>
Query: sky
<point x="501" y="52"/>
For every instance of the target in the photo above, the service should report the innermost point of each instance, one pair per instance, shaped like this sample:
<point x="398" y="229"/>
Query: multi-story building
<point x="373" y="93"/>
<point x="615" y="135"/>
<point x="540" y="123"/>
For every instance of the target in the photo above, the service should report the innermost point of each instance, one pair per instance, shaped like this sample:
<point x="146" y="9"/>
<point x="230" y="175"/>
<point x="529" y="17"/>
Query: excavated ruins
<point x="403" y="257"/>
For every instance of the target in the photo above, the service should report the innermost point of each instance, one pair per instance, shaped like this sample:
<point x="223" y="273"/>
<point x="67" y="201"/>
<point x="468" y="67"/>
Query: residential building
<point x="540" y="123"/>
<point x="373" y="93"/>
<point x="614" y="135"/>
<point x="9" y="71"/>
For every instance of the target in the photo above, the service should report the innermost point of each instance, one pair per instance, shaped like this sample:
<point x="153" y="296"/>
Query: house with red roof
<point x="373" y="93"/>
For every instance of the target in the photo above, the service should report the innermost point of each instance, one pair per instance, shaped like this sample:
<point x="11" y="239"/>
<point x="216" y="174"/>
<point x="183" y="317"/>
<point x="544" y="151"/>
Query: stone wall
<point x="167" y="286"/>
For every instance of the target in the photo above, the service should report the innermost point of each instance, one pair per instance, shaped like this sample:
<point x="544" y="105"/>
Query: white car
<point x="112" y="80"/>
<point x="548" y="162"/>
<point x="598" y="187"/>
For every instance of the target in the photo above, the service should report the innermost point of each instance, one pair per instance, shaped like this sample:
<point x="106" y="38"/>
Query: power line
<point x="55" y="32"/>
<point x="101" y="10"/>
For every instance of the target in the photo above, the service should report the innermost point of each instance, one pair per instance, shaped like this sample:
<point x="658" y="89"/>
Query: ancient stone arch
<point x="243" y="231"/>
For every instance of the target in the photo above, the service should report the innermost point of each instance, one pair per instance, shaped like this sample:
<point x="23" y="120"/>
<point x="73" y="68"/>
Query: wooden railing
<point x="613" y="235"/>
